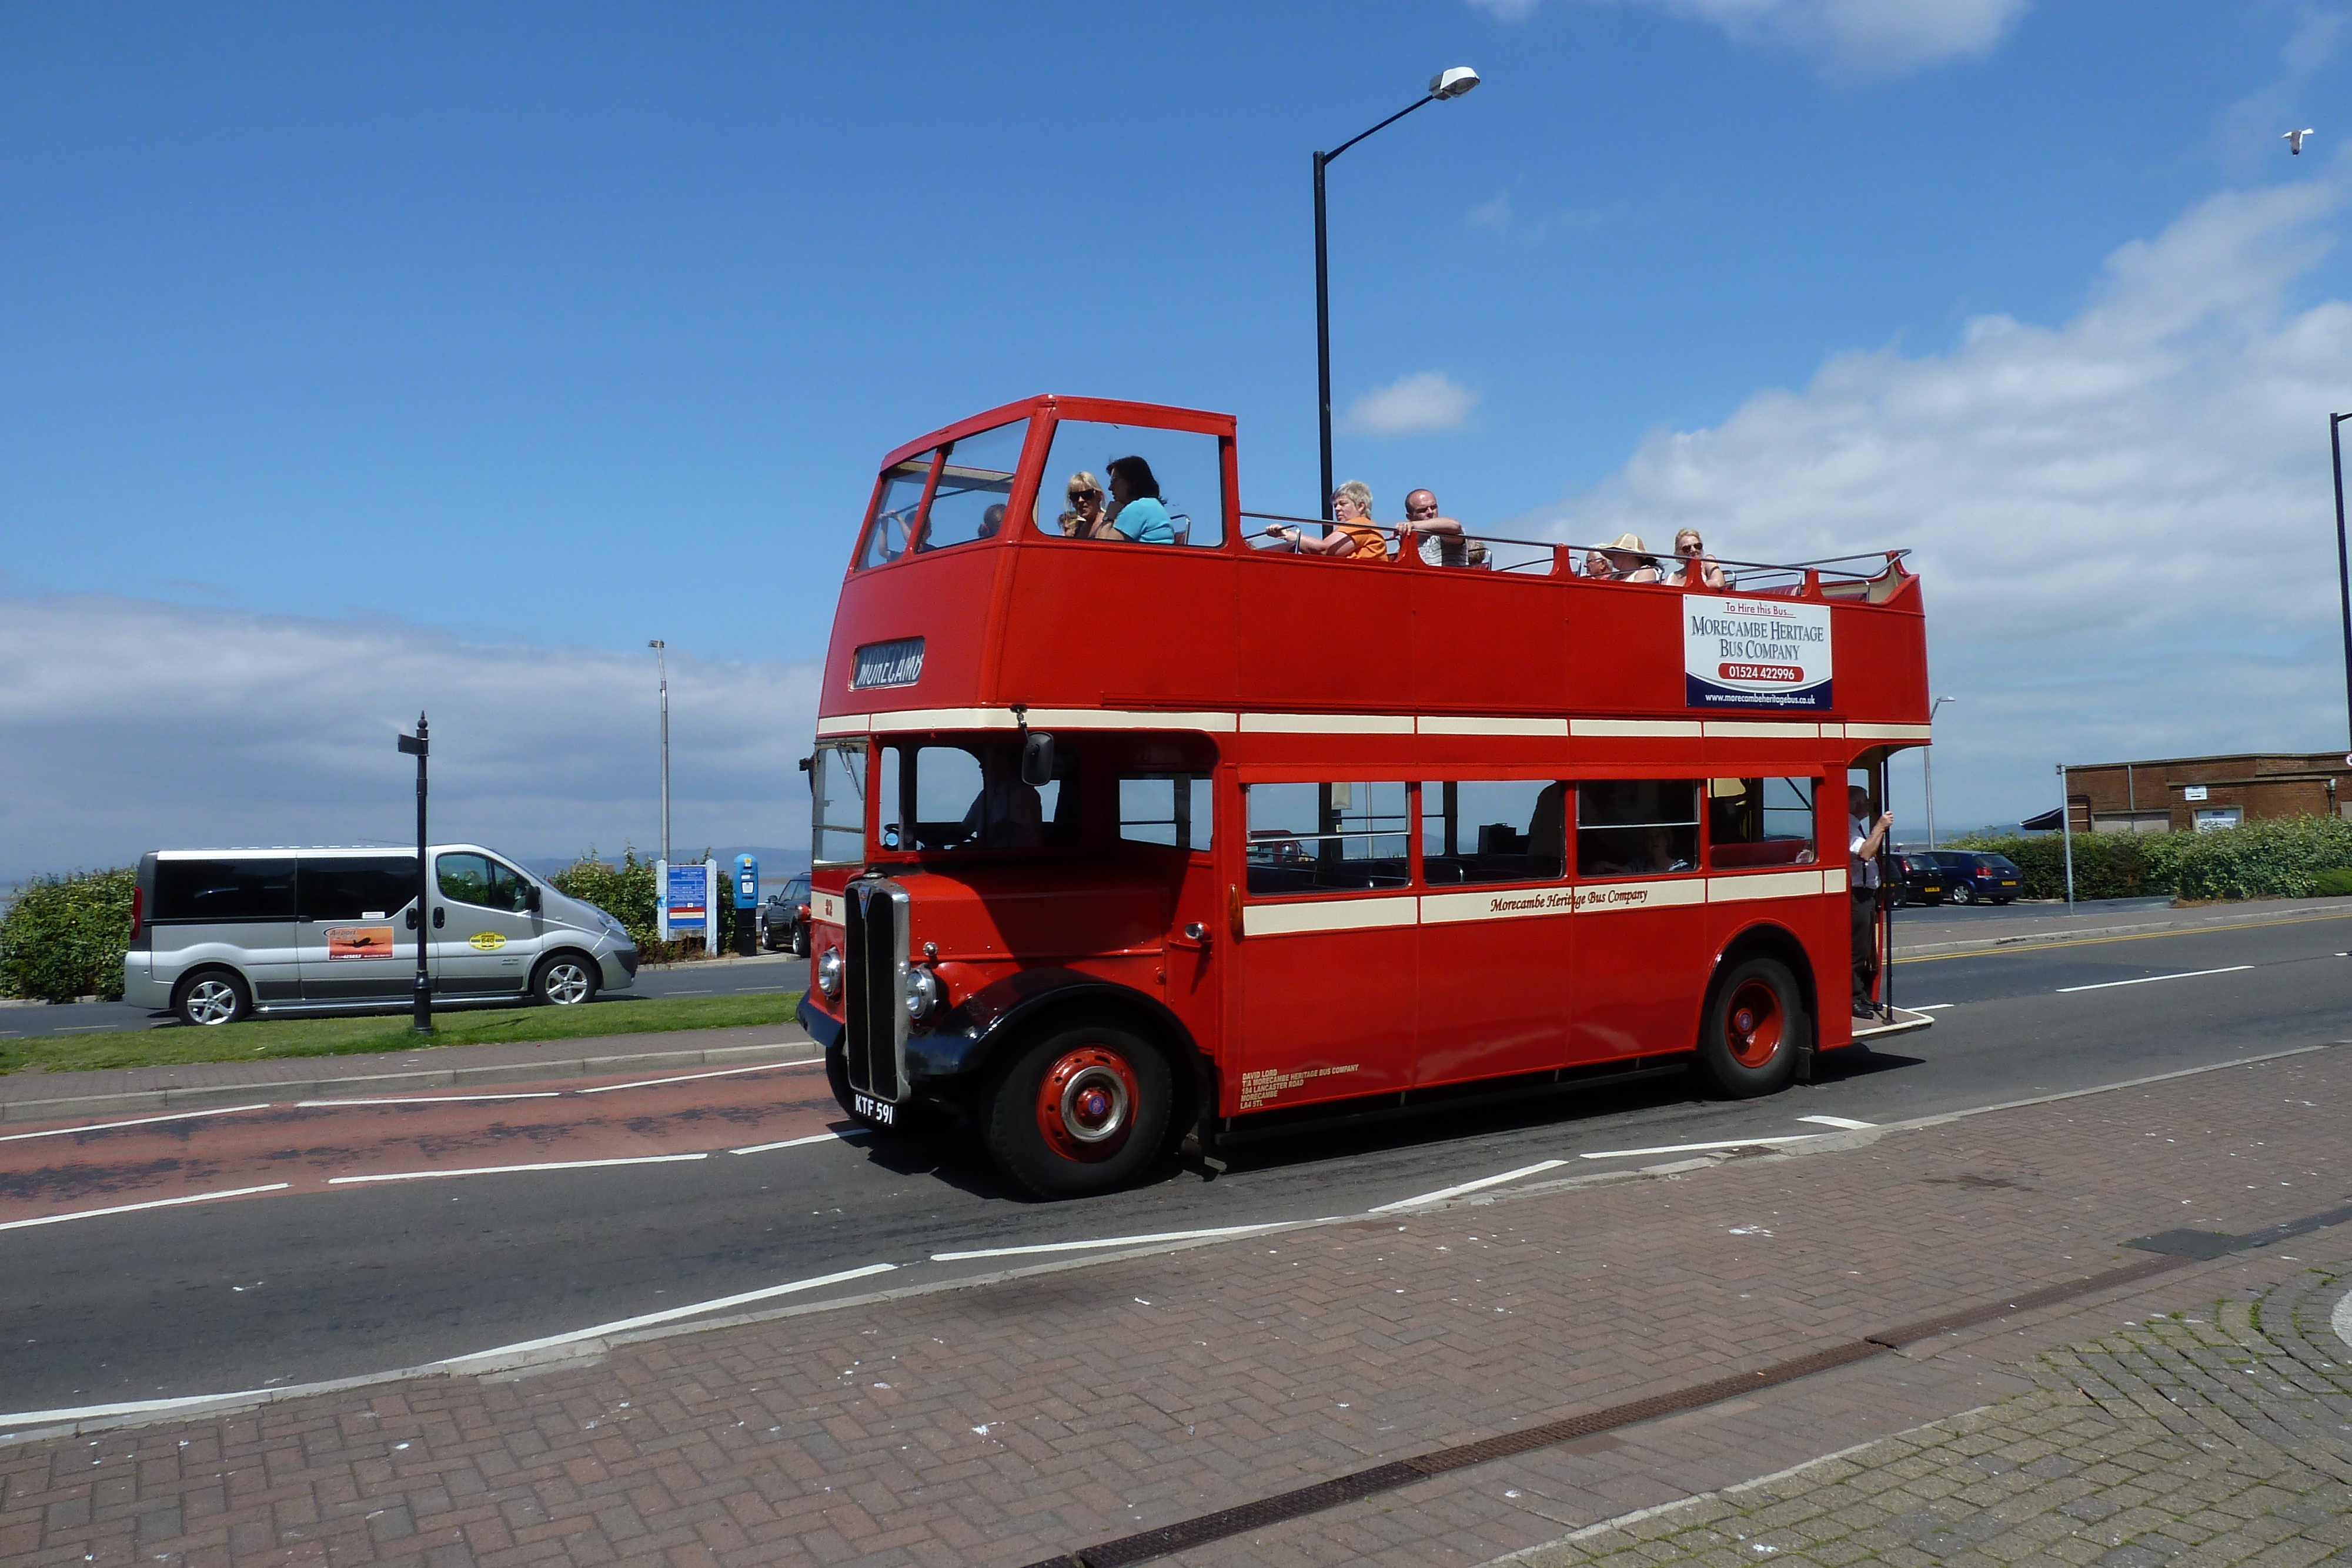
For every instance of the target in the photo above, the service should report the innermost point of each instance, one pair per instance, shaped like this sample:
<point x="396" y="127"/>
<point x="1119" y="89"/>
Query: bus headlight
<point x="923" y="993"/>
<point x="828" y="974"/>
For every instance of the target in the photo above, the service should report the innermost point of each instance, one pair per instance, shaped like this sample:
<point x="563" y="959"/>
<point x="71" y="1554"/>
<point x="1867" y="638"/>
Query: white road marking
<point x="135" y="1208"/>
<point x="18" y="1420"/>
<point x="1441" y="1193"/>
<point x="1692" y="1148"/>
<point x="692" y="1077"/>
<point x="1933" y="1007"/>
<point x="797" y="1143"/>
<point x="1116" y="1241"/>
<point x="140" y="1121"/>
<point x="2340" y="1320"/>
<point x="508" y="1170"/>
<point x="2149" y="979"/>
<point x="1846" y="1123"/>
<point x="426" y="1099"/>
<point x="720" y="1303"/>
<point x="90" y="1027"/>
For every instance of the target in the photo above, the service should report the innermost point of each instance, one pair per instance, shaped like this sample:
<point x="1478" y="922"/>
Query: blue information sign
<point x="689" y="897"/>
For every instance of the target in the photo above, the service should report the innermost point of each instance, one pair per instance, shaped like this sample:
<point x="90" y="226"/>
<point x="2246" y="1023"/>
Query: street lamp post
<point x="420" y="746"/>
<point x="661" y="664"/>
<point x="2343" y="564"/>
<point x="1928" y="761"/>
<point x="1445" y="84"/>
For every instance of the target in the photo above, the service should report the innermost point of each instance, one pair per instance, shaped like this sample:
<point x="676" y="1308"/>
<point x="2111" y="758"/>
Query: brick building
<point x="2181" y="794"/>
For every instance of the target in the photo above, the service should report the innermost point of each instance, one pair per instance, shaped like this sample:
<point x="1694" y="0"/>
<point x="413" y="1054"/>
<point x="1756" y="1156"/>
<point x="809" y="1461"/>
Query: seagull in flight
<point x="2293" y="139"/>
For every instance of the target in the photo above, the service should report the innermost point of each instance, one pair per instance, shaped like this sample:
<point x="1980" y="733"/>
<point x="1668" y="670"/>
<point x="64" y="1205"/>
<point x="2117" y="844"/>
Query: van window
<point x="1760" y="821"/>
<point x="1170" y="809"/>
<point x="1636" y="827"/>
<point x="1477" y="832"/>
<point x="224" y="890"/>
<point x="483" y="882"/>
<point x="352" y="888"/>
<point x="1305" y="837"/>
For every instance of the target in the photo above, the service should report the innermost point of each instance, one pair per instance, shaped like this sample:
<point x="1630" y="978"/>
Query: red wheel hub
<point x="1753" y="1024"/>
<point x="1086" y="1104"/>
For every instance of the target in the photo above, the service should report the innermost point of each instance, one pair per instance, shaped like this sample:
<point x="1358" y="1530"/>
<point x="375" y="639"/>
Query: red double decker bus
<point x="1149" y="829"/>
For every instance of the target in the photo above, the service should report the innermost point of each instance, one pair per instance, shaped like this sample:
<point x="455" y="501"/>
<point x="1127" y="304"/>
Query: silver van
<point x="221" y="934"/>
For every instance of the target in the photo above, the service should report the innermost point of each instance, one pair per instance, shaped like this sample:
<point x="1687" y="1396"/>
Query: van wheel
<point x="1756" y="1024"/>
<point x="212" y="996"/>
<point x="566" y="980"/>
<point x="1081" y="1110"/>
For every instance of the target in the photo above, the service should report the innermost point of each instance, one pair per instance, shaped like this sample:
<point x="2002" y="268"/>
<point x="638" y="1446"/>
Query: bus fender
<point x="966" y="1038"/>
<point x="1772" y="940"/>
<point x="822" y="1026"/>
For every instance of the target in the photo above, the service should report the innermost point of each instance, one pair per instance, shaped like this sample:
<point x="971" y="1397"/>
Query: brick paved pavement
<point x="1006" y="1423"/>
<point x="2190" y="1440"/>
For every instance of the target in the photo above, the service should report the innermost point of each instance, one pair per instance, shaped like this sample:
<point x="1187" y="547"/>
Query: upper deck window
<point x="974" y="489"/>
<point x="1081" y="498"/>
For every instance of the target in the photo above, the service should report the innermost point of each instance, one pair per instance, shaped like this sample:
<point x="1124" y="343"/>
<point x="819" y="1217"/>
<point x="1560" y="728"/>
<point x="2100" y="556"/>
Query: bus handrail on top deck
<point x="1879" y="560"/>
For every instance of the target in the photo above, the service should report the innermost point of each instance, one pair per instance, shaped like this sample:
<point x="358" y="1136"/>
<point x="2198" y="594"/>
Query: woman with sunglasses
<point x="1690" y="551"/>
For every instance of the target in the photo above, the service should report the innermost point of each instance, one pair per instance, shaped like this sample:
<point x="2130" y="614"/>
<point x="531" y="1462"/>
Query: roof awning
<point x="2046" y="823"/>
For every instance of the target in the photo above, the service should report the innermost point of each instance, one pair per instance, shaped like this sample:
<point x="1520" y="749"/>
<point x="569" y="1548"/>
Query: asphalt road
<point x="727" y="976"/>
<point x="319" y="1280"/>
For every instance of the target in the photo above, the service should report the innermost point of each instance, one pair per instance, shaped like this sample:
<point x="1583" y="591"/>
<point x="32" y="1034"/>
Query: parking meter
<point x="747" y="905"/>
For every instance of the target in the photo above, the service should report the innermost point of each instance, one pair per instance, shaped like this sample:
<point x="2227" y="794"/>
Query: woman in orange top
<point x="1353" y="537"/>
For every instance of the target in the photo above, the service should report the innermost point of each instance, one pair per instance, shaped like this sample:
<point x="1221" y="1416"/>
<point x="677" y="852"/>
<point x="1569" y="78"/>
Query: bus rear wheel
<point x="1083" y="1108"/>
<point x="1756" y="1024"/>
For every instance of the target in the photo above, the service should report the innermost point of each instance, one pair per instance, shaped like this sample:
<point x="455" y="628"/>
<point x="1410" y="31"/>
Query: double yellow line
<point x="2127" y="936"/>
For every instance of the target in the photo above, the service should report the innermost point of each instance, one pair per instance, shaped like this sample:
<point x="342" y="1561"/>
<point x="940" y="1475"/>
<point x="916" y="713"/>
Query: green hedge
<point x="65" y="937"/>
<point x="2274" y="857"/>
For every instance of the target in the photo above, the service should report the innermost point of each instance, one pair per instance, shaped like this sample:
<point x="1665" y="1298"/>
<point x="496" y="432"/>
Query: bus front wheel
<point x="1756" y="1024"/>
<point x="1081" y="1109"/>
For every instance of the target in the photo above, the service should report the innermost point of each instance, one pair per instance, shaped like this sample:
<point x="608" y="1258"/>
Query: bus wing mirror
<point x="1037" y="758"/>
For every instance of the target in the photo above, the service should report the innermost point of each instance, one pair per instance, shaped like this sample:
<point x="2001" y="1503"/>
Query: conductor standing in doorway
<point x="1864" y="839"/>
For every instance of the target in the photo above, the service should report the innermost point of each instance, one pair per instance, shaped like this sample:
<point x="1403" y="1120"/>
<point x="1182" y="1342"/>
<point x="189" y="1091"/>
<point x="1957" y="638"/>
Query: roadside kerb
<point x="791" y="1044"/>
<point x="2283" y="910"/>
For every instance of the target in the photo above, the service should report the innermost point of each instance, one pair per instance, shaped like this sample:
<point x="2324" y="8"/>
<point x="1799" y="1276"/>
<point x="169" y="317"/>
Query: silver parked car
<point x="220" y="935"/>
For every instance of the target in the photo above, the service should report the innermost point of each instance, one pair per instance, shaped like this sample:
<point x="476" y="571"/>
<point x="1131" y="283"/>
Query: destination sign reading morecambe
<point x="1756" y="653"/>
<point x="898" y="664"/>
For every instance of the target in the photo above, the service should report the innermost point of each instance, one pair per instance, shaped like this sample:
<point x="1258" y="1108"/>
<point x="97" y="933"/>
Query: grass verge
<point x="265" y="1038"/>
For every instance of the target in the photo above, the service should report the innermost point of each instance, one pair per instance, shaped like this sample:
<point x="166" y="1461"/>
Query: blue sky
<point x="500" y="340"/>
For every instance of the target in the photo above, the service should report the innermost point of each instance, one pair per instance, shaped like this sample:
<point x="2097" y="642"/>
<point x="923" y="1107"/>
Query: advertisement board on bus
<point x="1756" y="653"/>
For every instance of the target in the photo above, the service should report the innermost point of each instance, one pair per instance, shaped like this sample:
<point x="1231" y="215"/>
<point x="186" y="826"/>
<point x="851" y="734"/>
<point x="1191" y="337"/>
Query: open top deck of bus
<point x="966" y="607"/>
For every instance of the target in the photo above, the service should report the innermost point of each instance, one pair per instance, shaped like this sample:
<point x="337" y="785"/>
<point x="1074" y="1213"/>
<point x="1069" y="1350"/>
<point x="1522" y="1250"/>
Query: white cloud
<point x="2124" y="523"/>
<point x="1416" y="404"/>
<point x="1861" y="37"/>
<point x="129" y="725"/>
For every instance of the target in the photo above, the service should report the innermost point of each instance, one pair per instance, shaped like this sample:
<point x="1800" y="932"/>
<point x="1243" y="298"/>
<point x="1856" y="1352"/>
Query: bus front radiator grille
<point x="876" y="950"/>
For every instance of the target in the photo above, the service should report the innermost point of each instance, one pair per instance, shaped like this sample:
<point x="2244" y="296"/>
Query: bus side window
<point x="1760" y="823"/>
<point x="1309" y="838"/>
<point x="1636" y="827"/>
<point x="1480" y="831"/>
<point x="1167" y="808"/>
<point x="1187" y="466"/>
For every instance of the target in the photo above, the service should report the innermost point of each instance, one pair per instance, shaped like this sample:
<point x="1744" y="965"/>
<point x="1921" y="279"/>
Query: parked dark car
<point x="1977" y="877"/>
<point x="784" y="918"/>
<point x="1923" y="879"/>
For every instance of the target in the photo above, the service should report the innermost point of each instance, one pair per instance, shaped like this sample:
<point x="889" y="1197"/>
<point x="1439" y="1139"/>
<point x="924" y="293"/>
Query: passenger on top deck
<point x="1136" y="511"/>
<point x="1627" y="563"/>
<point x="1596" y="565"/>
<point x="1690" y="549"/>
<point x="1441" y="543"/>
<point x="1083" y="517"/>
<point x="989" y="521"/>
<point x="1353" y="537"/>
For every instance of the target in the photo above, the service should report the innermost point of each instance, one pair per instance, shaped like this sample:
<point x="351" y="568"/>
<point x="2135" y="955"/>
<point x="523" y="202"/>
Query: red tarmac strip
<point x="308" y="1145"/>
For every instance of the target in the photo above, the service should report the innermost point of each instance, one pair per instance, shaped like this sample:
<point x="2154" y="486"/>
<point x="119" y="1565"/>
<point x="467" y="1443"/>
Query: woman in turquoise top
<point x="1136" y="512"/>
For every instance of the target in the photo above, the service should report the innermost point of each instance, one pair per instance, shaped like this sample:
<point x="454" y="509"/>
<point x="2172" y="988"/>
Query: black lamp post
<point x="1451" y="83"/>
<point x="419" y="745"/>
<point x="2343" y="564"/>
